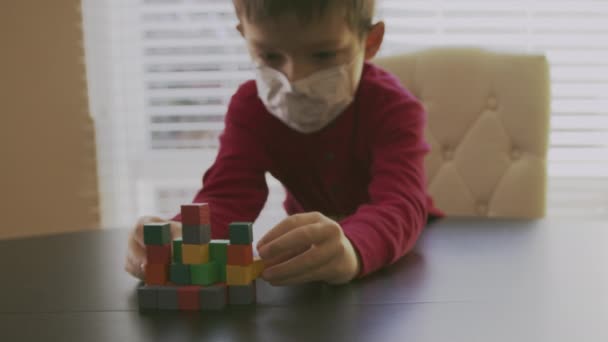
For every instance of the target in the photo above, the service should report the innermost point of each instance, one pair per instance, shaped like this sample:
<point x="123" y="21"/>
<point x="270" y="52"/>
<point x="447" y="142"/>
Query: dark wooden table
<point x="467" y="280"/>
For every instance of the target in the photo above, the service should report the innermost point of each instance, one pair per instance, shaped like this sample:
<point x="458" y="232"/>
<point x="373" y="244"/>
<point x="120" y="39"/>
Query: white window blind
<point x="193" y="61"/>
<point x="572" y="34"/>
<point x="163" y="72"/>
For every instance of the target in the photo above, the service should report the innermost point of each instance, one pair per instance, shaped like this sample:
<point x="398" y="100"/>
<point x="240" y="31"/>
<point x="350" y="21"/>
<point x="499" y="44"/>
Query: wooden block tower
<point x="241" y="268"/>
<point x="195" y="273"/>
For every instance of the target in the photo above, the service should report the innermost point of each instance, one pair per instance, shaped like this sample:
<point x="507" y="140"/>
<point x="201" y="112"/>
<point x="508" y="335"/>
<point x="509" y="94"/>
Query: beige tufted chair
<point x="488" y="128"/>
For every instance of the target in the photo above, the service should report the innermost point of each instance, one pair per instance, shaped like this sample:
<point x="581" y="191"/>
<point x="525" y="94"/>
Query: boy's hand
<point x="136" y="252"/>
<point x="308" y="247"/>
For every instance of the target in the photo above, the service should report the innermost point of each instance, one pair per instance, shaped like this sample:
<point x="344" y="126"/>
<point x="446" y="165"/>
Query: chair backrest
<point x="488" y="127"/>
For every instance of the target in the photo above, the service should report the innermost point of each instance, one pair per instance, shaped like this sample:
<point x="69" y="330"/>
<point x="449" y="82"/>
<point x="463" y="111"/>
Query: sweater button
<point x="329" y="156"/>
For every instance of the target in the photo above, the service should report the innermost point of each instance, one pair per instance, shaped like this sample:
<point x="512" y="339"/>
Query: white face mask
<point x="310" y="104"/>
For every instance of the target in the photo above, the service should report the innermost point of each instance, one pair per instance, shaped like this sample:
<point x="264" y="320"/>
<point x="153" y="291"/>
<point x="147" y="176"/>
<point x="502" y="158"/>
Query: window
<point x="162" y="71"/>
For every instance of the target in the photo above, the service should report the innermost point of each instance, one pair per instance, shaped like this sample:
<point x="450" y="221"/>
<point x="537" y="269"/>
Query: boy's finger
<point x="138" y="235"/>
<point x="306" y="263"/>
<point x="134" y="267"/>
<point x="176" y="230"/>
<point x="136" y="258"/>
<point x="137" y="248"/>
<point x="318" y="274"/>
<point x="295" y="239"/>
<point x="281" y="259"/>
<point x="286" y="225"/>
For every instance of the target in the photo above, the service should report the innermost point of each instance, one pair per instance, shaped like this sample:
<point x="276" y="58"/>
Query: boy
<point x="343" y="137"/>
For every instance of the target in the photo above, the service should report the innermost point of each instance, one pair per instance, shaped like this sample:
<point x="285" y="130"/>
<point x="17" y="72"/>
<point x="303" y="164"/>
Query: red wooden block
<point x="188" y="298"/>
<point x="240" y="255"/>
<point x="156" y="274"/>
<point x="195" y="214"/>
<point x="158" y="254"/>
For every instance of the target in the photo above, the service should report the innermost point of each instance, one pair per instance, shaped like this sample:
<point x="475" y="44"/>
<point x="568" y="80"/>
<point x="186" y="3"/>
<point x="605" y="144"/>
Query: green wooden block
<point x="157" y="233"/>
<point x="177" y="251"/>
<point x="241" y="233"/>
<point x="218" y="251"/>
<point x="221" y="273"/>
<point x="204" y="274"/>
<point x="180" y="274"/>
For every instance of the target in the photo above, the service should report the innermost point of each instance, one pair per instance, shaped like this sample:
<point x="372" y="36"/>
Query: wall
<point x="48" y="181"/>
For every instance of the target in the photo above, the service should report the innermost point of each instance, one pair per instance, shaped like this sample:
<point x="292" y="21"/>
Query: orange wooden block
<point x="258" y="267"/>
<point x="240" y="255"/>
<point x="195" y="254"/>
<point x="156" y="274"/>
<point x="239" y="275"/>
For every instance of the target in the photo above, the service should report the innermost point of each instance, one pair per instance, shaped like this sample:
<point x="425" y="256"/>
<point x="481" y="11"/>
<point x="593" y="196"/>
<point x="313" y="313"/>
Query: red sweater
<point x="366" y="167"/>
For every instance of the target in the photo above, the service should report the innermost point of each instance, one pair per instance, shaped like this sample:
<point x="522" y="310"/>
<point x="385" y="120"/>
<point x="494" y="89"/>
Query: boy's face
<point x="299" y="49"/>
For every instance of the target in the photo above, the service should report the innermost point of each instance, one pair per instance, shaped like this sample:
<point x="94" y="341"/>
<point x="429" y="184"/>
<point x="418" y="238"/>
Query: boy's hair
<point x="359" y="13"/>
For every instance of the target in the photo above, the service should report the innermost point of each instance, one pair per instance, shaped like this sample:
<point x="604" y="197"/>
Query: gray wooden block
<point x="167" y="298"/>
<point x="147" y="298"/>
<point x="196" y="235"/>
<point x="213" y="297"/>
<point x="242" y="295"/>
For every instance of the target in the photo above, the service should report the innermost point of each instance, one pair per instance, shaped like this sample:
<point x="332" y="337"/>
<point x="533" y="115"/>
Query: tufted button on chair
<point x="488" y="127"/>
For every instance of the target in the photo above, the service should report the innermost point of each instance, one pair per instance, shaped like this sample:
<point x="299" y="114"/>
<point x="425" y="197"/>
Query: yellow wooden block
<point x="258" y="267"/>
<point x="195" y="254"/>
<point x="239" y="275"/>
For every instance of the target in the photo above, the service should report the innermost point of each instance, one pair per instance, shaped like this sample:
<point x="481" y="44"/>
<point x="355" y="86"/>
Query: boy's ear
<point x="374" y="40"/>
<point x="239" y="27"/>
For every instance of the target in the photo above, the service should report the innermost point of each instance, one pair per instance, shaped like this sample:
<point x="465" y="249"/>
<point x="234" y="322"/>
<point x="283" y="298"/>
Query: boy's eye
<point x="325" y="55"/>
<point x="270" y="57"/>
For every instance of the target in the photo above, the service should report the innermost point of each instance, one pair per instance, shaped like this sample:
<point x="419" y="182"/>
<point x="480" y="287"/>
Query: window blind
<point x="164" y="71"/>
<point x="194" y="59"/>
<point x="572" y="34"/>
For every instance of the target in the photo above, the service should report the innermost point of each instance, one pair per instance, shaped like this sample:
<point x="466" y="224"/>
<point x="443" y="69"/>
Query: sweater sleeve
<point x="387" y="227"/>
<point x="235" y="185"/>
